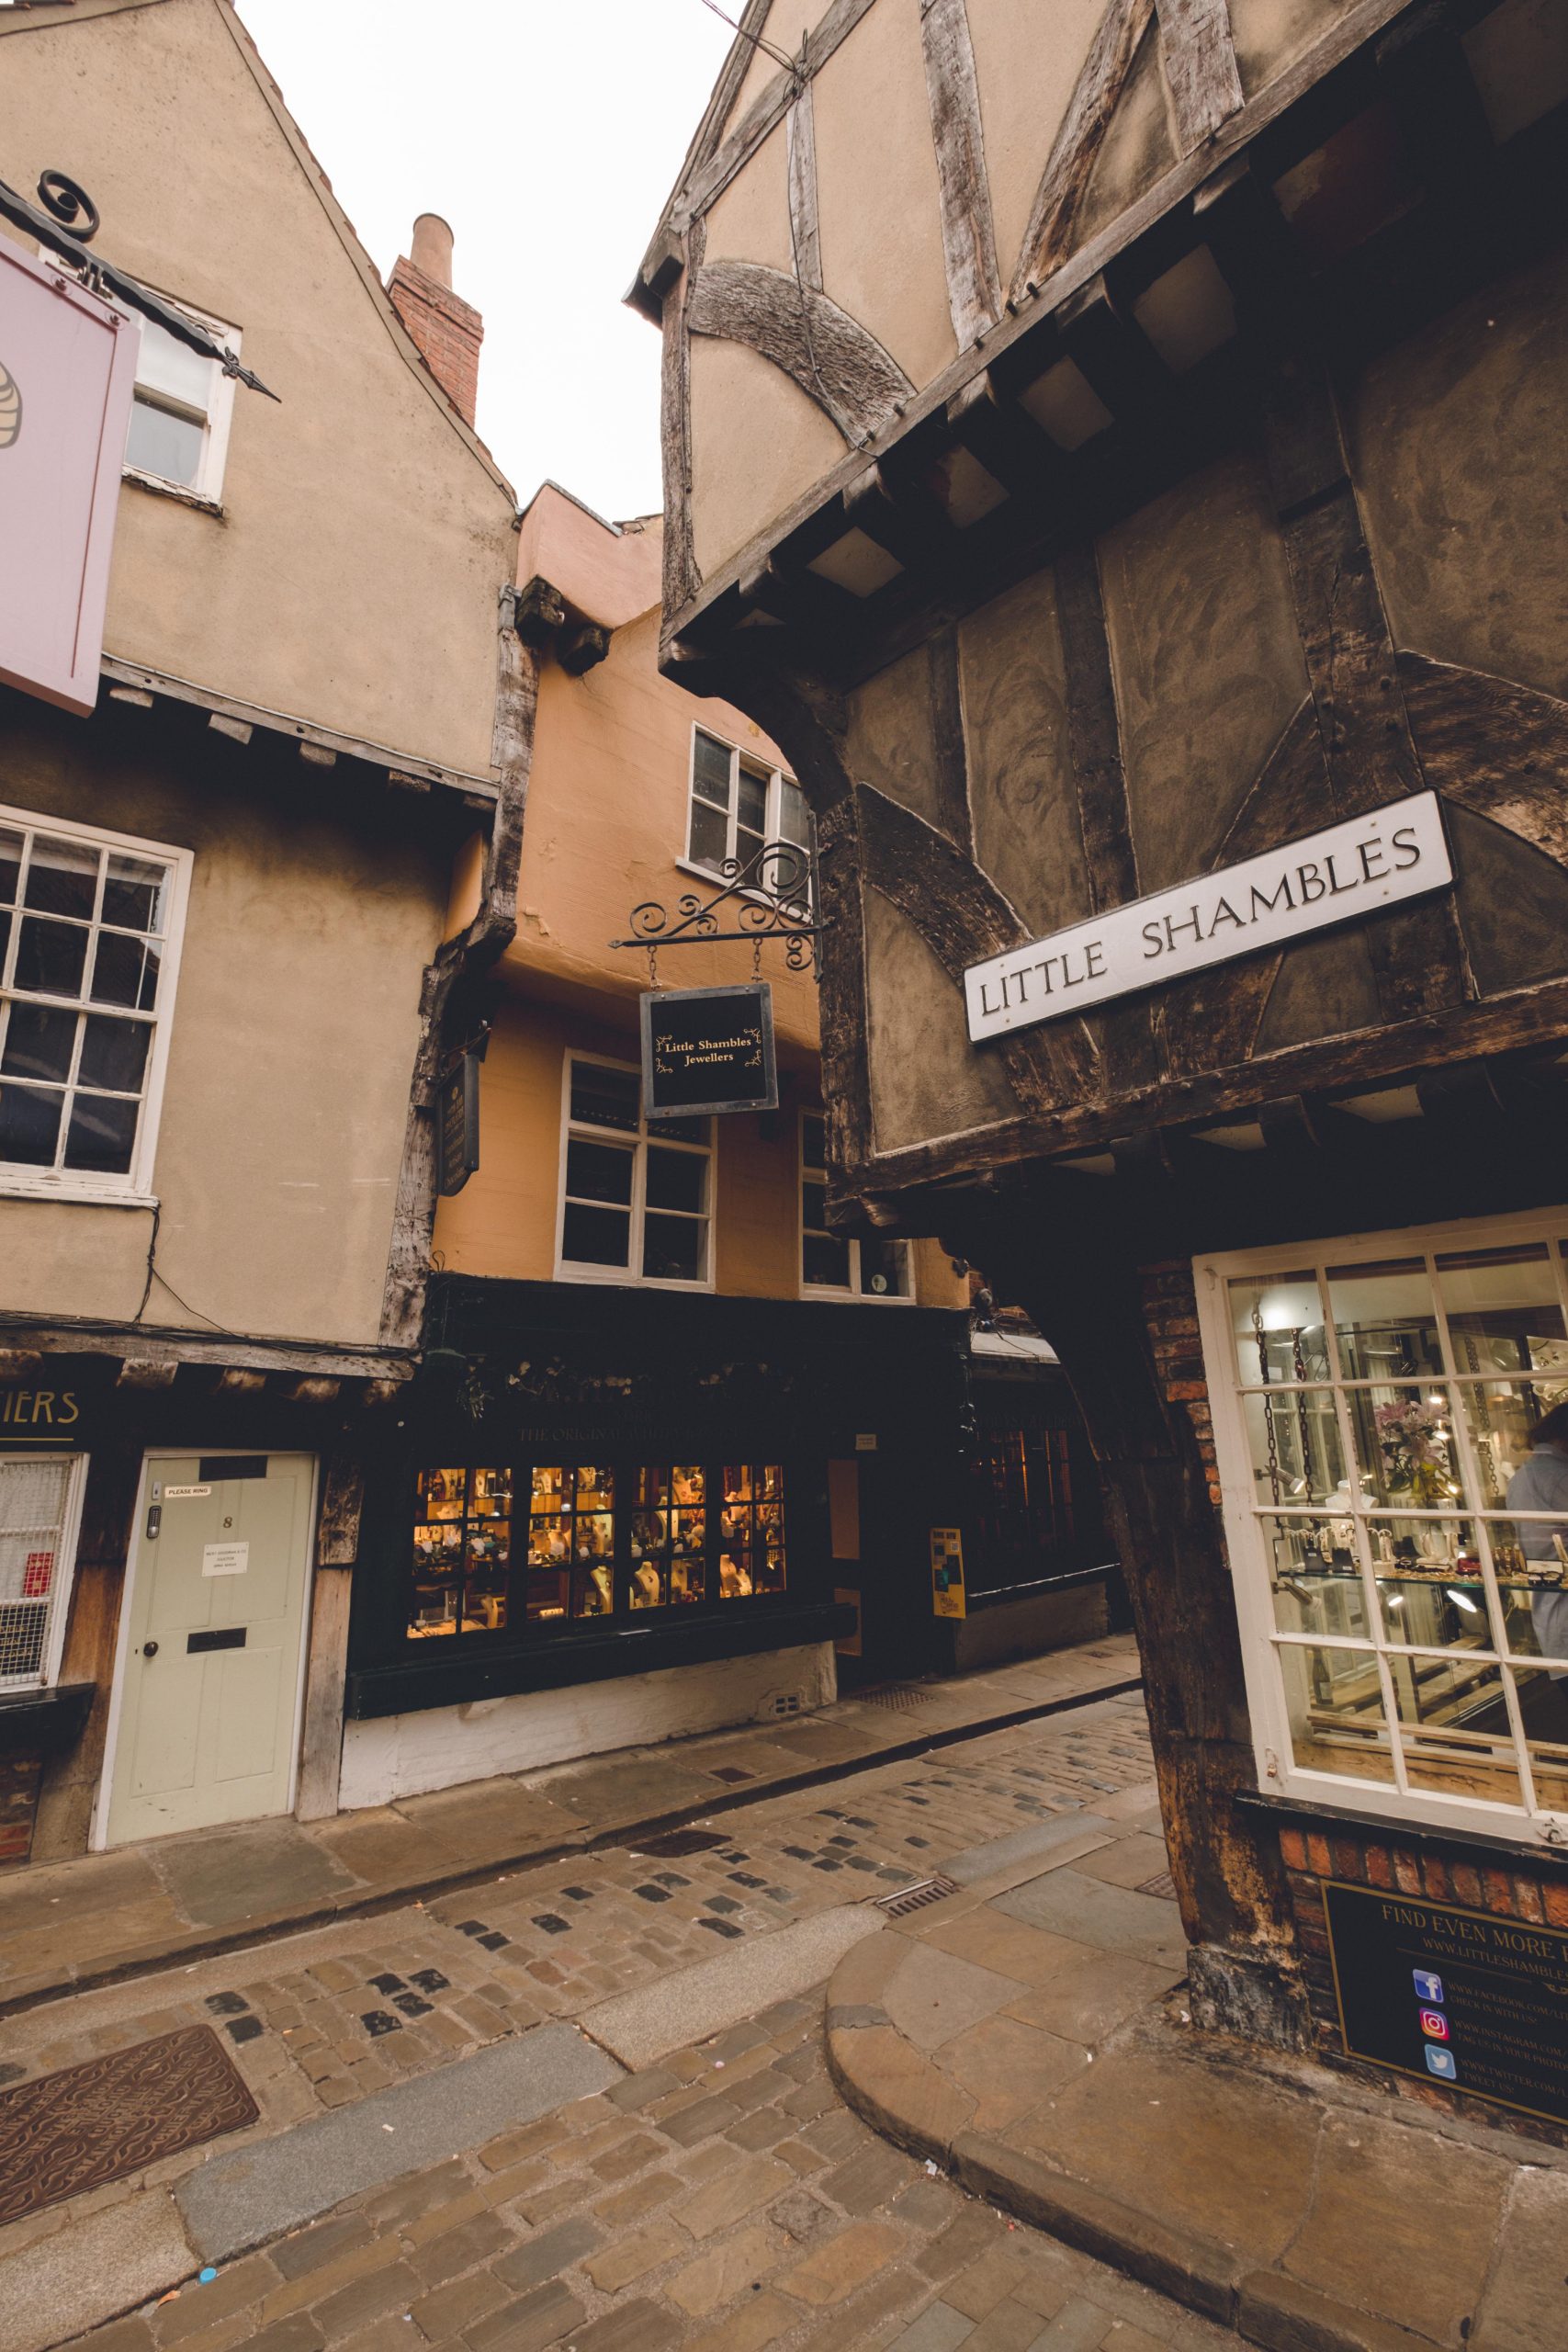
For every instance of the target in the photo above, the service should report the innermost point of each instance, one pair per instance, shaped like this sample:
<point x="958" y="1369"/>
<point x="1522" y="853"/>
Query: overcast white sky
<point x="548" y="134"/>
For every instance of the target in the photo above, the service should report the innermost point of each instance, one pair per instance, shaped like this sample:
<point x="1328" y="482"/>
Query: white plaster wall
<point x="440" y="1748"/>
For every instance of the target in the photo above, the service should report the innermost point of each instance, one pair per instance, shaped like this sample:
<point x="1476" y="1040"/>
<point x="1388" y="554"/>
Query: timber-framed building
<point x="1117" y="452"/>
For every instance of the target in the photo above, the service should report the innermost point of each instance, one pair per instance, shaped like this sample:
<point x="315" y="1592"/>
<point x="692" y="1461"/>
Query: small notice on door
<point x="225" y="1559"/>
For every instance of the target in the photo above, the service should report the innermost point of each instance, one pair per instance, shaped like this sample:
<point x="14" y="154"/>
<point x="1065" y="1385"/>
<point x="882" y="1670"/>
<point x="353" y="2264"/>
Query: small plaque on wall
<point x="1456" y="1998"/>
<point x="457" y="1126"/>
<point x="706" y="1050"/>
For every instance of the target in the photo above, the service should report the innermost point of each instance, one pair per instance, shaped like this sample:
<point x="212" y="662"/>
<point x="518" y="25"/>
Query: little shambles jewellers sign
<point x="1354" y="869"/>
<point x="708" y="1049"/>
<point x="1452" y="1996"/>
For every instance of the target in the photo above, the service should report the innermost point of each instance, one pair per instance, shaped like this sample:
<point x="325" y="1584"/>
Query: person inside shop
<point x="1541" y="1483"/>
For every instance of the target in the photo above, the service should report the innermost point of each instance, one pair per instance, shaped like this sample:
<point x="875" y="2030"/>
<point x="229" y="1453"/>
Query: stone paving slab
<point x="675" y="2011"/>
<point x="237" y="2202"/>
<point x="1273" y="2199"/>
<point x="87" y="1921"/>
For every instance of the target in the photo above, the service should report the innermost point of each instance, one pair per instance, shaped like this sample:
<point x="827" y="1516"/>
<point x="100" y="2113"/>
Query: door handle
<point x="149" y="1649"/>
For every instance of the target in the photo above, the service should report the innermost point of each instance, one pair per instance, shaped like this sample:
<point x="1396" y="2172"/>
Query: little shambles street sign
<point x="1452" y="1996"/>
<point x="1354" y="869"/>
<point x="708" y="1049"/>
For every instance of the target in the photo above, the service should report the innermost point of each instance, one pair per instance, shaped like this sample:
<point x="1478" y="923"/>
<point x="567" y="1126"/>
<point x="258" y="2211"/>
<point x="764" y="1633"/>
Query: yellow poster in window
<point x="947" y="1573"/>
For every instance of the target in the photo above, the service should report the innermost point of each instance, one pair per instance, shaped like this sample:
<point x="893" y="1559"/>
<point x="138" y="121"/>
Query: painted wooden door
<point x="210" y="1672"/>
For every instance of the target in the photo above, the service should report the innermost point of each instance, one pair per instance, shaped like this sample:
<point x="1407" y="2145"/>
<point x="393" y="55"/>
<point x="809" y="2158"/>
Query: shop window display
<point x="603" y="1542"/>
<point x="1385" y="1491"/>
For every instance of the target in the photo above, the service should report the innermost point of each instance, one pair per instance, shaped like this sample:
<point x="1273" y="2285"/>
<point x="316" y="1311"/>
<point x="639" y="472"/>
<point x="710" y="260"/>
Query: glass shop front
<point x="556" y="1543"/>
<point x="1395" y="1478"/>
<point x="588" y="1481"/>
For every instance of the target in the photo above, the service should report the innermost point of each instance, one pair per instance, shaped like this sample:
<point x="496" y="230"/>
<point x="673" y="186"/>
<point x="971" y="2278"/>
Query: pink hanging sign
<point x="67" y="371"/>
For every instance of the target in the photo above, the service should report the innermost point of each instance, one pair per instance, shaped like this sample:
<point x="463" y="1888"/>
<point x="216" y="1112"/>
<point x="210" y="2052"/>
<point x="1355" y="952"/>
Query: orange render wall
<point x="605" y="825"/>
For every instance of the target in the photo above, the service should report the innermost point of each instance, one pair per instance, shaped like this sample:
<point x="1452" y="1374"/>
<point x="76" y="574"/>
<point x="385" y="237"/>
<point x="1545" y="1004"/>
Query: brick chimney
<point x="447" y="330"/>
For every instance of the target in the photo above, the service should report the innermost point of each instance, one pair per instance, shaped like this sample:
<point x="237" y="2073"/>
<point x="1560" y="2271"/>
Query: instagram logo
<point x="1434" y="2024"/>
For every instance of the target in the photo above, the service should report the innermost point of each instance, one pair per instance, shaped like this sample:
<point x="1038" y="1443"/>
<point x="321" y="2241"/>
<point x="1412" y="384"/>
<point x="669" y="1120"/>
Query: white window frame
<point x="572" y="1270"/>
<point x="207" y="488"/>
<point x="63" y="1582"/>
<point x="773" y="816"/>
<point x="1244" y="1526"/>
<point x="134" y="1189"/>
<point x="850" y="1293"/>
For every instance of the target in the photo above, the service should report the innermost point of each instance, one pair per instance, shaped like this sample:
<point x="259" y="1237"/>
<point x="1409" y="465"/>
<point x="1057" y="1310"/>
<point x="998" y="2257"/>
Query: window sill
<point x="822" y="1294"/>
<point x="177" y="491"/>
<point x="92" y="1196"/>
<point x="45" y="1721"/>
<point x="621" y="1278"/>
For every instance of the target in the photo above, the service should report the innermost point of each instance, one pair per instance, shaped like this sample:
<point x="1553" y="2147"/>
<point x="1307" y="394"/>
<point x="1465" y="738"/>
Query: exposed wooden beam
<point x="901" y="516"/>
<point x="582" y="649"/>
<point x="540" y="610"/>
<point x="1111" y="352"/>
<point x="680" y="576"/>
<point x="799" y="597"/>
<point x="964" y="918"/>
<point x="1005" y="439"/>
<point x="310" y="1391"/>
<point x="968" y="234"/>
<point x="1053" y="219"/>
<point x="805" y="227"/>
<point x="146" y="1371"/>
<point x="233" y="1382"/>
<point x="343" y="1501"/>
<point x="949" y="747"/>
<point x="1422" y="69"/>
<point x="1241" y="224"/>
<point x="835" y="361"/>
<point x="1201" y="73"/>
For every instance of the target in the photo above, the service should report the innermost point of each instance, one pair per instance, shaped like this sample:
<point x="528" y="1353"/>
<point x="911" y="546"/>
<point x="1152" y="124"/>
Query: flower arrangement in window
<point x="1414" y="1442"/>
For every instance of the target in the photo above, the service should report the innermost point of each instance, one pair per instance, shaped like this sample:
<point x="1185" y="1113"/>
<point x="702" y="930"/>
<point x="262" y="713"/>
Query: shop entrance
<point x="207" y="1701"/>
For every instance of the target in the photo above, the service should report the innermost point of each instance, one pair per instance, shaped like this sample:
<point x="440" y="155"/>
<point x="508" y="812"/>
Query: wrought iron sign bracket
<point x="771" y="895"/>
<point x="67" y="225"/>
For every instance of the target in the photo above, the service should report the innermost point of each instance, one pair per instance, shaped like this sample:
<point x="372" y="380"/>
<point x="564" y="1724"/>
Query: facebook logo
<point x="1441" y="2062"/>
<point x="1427" y="1987"/>
<point x="1434" y="2023"/>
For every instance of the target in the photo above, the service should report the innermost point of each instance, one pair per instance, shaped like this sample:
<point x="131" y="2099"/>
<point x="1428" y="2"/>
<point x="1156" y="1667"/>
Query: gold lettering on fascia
<point x="38" y="1408"/>
<point x="1368" y="863"/>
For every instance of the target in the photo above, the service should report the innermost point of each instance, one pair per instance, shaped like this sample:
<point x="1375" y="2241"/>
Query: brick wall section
<point x="19" y="1777"/>
<point x="1170" y="1310"/>
<point x="1362" y="1857"/>
<point x="447" y="330"/>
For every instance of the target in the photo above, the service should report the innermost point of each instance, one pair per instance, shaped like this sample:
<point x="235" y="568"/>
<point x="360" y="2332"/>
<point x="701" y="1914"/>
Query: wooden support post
<point x="337" y="1548"/>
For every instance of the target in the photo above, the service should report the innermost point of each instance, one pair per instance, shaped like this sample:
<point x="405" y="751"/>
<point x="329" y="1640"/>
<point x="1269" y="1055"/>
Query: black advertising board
<point x="1452" y="1996"/>
<point x="708" y="1049"/>
<point x="458" y="1124"/>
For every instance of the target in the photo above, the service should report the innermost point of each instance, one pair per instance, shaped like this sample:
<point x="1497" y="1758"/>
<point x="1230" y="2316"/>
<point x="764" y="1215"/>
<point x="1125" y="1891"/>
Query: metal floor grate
<point x="915" y="1898"/>
<point x="1162" y="1885"/>
<point x="899" y="1697"/>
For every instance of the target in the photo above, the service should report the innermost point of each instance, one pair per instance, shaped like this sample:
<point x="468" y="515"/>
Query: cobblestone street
<point x="722" y="2195"/>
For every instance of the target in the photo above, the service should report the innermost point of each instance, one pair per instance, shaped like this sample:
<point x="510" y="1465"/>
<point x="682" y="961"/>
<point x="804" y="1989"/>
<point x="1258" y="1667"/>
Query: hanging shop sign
<point x="1351" y="870"/>
<point x="708" y="1050"/>
<point x="458" y="1124"/>
<point x="947" y="1573"/>
<point x="1452" y="1996"/>
<point x="67" y="371"/>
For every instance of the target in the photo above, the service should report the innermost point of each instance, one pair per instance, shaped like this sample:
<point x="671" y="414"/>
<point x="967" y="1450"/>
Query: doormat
<point x="70" y="2132"/>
